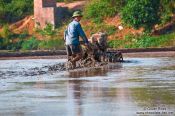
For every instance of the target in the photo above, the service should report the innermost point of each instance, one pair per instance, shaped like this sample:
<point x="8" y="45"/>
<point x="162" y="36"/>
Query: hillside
<point x="28" y="23"/>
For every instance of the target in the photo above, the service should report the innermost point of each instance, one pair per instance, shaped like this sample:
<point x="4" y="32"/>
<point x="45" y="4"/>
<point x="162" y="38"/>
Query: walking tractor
<point x="96" y="53"/>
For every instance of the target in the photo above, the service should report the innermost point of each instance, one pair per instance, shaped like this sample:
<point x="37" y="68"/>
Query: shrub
<point x="141" y="13"/>
<point x="143" y="41"/>
<point x="51" y="44"/>
<point x="6" y="33"/>
<point x="17" y="45"/>
<point x="30" y="44"/>
<point x="7" y="41"/>
<point x="1" y="42"/>
<point x="110" y="29"/>
<point x="167" y="9"/>
<point x="7" y="36"/>
<point x="115" y="43"/>
<point x="48" y="30"/>
<point x="94" y="28"/>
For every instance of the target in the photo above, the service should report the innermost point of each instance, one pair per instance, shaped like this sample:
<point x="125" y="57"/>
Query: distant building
<point x="44" y="13"/>
<point x="51" y="12"/>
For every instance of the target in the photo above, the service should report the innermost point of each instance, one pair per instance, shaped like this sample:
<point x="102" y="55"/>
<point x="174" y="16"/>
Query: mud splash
<point x="30" y="67"/>
<point x="45" y="70"/>
<point x="30" y="72"/>
<point x="50" y="69"/>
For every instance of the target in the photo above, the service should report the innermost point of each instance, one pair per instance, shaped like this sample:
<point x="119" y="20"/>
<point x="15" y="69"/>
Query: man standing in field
<point x="71" y="37"/>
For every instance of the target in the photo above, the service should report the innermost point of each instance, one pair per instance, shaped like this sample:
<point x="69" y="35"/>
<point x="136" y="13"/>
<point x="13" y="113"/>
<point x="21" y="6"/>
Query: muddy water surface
<point x="137" y="87"/>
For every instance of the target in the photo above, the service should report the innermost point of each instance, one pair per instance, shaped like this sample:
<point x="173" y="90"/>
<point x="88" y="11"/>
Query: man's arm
<point x="82" y="34"/>
<point x="65" y="34"/>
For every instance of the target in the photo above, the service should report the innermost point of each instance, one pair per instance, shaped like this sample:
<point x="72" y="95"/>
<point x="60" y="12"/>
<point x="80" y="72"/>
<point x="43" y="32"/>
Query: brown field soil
<point x="26" y="24"/>
<point x="120" y="34"/>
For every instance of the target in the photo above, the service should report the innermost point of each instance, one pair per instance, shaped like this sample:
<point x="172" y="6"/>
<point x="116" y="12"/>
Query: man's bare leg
<point x="75" y="58"/>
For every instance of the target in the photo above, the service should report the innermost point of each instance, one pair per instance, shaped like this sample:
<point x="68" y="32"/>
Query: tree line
<point x="14" y="10"/>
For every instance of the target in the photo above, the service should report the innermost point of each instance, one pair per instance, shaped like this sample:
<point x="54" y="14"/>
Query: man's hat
<point x="77" y="13"/>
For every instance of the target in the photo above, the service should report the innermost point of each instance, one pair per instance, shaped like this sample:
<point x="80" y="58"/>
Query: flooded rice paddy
<point x="137" y="87"/>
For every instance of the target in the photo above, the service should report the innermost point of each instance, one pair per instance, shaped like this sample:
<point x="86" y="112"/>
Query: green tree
<point x="14" y="10"/>
<point x="141" y="13"/>
<point x="167" y="9"/>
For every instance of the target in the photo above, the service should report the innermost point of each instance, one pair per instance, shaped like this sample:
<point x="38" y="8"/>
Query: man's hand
<point x="88" y="46"/>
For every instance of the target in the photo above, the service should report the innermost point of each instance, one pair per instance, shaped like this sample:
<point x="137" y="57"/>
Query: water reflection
<point x="74" y="97"/>
<point x="99" y="71"/>
<point x="77" y="92"/>
<point x="96" y="98"/>
<point x="124" y="89"/>
<point x="124" y="101"/>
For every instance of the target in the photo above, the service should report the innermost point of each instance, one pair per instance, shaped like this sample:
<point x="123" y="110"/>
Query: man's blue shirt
<point x="72" y="33"/>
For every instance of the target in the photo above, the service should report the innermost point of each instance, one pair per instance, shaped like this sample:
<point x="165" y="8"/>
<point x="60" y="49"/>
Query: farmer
<point x="71" y="37"/>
